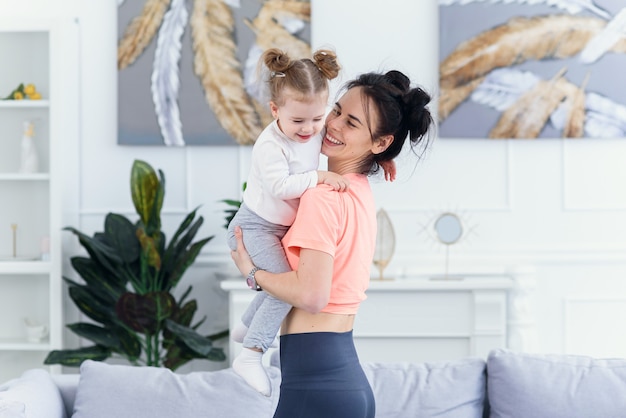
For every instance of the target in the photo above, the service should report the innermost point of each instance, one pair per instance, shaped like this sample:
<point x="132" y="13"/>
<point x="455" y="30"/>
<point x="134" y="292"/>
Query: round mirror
<point x="449" y="228"/>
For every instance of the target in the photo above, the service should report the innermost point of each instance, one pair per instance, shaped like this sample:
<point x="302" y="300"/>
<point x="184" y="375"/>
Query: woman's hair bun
<point x="399" y="80"/>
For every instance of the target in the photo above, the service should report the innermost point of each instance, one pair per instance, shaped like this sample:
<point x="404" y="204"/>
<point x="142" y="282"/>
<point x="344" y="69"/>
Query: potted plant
<point x="129" y="277"/>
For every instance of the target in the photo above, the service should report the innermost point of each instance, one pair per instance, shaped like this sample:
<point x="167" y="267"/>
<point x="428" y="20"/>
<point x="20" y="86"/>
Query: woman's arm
<point x="307" y="288"/>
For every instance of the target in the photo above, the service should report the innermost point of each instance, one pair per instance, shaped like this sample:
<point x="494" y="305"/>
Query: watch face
<point x="250" y="282"/>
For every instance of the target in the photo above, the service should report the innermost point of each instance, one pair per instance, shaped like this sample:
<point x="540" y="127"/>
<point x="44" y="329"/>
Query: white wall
<point x="556" y="207"/>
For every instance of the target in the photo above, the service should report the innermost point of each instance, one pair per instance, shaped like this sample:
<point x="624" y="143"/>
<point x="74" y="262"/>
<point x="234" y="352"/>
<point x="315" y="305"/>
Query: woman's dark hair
<point x="401" y="112"/>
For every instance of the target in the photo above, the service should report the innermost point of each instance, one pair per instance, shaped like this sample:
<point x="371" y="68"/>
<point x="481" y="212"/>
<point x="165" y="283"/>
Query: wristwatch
<point x="251" y="280"/>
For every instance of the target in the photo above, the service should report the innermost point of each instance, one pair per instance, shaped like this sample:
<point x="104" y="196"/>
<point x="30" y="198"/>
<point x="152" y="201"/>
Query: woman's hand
<point x="240" y="256"/>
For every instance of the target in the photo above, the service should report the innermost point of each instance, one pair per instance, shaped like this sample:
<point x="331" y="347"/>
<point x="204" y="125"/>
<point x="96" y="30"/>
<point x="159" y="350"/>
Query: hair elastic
<point x="277" y="74"/>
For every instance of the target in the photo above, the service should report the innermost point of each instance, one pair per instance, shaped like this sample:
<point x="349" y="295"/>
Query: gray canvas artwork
<point x="550" y="69"/>
<point x="187" y="68"/>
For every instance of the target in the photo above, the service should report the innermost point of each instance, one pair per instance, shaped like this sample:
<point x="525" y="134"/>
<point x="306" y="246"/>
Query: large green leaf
<point x="154" y="224"/>
<point x="149" y="248"/>
<point x="99" y="251"/>
<point x="186" y="312"/>
<point x="130" y="343"/>
<point x="177" y="355"/>
<point x="145" y="186"/>
<point x="100" y="335"/>
<point x="188" y="237"/>
<point x="173" y="249"/>
<point x="74" y="358"/>
<point x="91" y="305"/>
<point x="184" y="260"/>
<point x="196" y="342"/>
<point x="145" y="313"/>
<point x="106" y="285"/>
<point x="183" y="316"/>
<point x="120" y="235"/>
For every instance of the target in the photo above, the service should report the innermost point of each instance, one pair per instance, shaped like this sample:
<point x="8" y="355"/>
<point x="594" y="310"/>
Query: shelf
<point x="24" y="104"/>
<point x="25" y="267"/>
<point x="21" y="344"/>
<point x="24" y="176"/>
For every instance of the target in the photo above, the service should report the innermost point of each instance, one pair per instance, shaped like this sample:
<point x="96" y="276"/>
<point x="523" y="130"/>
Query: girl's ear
<point x="274" y="110"/>
<point x="382" y="144"/>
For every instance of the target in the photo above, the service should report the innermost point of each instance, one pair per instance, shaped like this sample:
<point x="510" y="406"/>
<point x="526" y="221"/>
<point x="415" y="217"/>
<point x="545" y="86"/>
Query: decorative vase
<point x="385" y="242"/>
<point x="29" y="162"/>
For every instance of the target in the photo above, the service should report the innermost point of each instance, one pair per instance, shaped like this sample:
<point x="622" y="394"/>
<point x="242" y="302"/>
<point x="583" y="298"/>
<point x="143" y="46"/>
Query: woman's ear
<point x="382" y="144"/>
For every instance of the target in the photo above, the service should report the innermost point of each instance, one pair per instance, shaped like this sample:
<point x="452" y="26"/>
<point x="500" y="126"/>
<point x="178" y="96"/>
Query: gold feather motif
<point x="140" y="32"/>
<point x="527" y="117"/>
<point x="270" y="34"/>
<point x="575" y="122"/>
<point x="450" y="98"/>
<point x="218" y="69"/>
<point x="520" y="39"/>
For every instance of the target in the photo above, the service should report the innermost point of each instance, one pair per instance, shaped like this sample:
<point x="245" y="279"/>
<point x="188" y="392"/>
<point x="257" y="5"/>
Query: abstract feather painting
<point x="531" y="69"/>
<point x="187" y="69"/>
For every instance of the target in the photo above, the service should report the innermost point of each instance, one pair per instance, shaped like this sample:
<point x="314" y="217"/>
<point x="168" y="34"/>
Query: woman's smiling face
<point x="348" y="142"/>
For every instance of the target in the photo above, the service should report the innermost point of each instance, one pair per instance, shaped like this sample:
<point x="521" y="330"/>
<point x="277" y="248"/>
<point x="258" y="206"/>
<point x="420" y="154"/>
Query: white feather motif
<point x="604" y="41"/>
<point x="502" y="87"/>
<point x="165" y="73"/>
<point x="604" y="118"/>
<point x="571" y="6"/>
<point x="256" y="88"/>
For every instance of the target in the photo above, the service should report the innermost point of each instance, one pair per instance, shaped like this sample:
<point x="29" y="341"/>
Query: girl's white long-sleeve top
<point x="281" y="170"/>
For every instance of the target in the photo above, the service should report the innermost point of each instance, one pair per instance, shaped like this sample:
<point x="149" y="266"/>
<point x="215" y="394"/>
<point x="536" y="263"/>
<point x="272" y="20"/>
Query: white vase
<point x="29" y="162"/>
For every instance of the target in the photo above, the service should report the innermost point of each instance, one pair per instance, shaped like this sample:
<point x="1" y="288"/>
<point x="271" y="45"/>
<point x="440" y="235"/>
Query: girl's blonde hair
<point x="303" y="77"/>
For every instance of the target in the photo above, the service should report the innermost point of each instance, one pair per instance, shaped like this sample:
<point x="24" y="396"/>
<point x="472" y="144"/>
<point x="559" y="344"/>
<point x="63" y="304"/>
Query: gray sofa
<point x="507" y="384"/>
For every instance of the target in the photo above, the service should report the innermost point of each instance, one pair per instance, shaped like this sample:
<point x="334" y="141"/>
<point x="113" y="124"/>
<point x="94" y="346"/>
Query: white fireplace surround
<point x="430" y="320"/>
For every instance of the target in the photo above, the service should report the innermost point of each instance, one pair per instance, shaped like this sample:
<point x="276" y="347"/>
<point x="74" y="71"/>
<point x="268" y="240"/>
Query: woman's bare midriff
<point x="299" y="321"/>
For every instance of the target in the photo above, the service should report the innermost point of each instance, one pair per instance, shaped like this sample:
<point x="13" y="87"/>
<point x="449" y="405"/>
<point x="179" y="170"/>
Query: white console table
<point x="417" y="319"/>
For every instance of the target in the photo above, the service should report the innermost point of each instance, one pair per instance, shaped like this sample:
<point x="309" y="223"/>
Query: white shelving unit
<point x="43" y="52"/>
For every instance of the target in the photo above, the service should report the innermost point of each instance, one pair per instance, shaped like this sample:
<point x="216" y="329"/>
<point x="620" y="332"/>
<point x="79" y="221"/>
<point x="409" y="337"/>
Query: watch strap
<point x="251" y="279"/>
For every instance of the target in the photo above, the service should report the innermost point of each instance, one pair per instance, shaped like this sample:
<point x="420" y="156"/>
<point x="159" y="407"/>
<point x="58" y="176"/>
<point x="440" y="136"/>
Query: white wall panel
<point x="594" y="175"/>
<point x="588" y="327"/>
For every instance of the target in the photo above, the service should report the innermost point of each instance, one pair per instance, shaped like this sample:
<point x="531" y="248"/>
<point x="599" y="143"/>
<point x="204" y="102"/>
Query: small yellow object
<point x="30" y="89"/>
<point x="34" y="96"/>
<point x="18" y="95"/>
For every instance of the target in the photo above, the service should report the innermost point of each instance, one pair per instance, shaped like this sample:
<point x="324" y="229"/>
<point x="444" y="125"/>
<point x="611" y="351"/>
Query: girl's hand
<point x="240" y="256"/>
<point x="334" y="180"/>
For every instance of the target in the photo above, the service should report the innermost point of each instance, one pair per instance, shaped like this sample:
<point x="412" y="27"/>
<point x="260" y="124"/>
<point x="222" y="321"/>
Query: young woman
<point x="330" y="247"/>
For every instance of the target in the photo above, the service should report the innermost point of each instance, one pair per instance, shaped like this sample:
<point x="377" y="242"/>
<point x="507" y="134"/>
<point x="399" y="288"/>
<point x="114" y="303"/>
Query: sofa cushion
<point x="33" y="394"/>
<point x="444" y="389"/>
<point x="555" y="386"/>
<point x="106" y="391"/>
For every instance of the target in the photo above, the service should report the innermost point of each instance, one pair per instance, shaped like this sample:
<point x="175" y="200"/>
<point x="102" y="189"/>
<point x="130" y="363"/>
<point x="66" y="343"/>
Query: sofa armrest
<point x="34" y="394"/>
